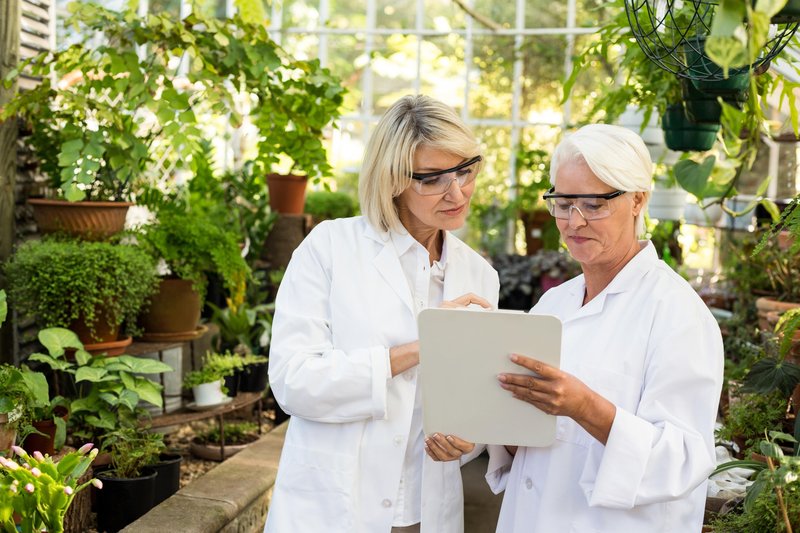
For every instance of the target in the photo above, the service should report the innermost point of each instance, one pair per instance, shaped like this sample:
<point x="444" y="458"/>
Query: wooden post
<point x="9" y="57"/>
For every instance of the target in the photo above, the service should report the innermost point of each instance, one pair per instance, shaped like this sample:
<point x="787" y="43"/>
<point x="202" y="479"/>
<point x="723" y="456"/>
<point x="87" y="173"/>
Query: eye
<point x="464" y="172"/>
<point x="563" y="204"/>
<point x="432" y="182"/>
<point x="593" y="206"/>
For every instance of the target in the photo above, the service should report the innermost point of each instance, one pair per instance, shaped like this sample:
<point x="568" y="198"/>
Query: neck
<point x="429" y="237"/>
<point x="597" y="277"/>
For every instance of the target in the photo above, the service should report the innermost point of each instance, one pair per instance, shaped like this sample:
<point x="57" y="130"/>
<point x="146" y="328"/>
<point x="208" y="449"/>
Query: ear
<point x="638" y="202"/>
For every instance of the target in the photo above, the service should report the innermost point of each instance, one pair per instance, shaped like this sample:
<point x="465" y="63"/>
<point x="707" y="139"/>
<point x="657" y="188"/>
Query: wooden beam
<point x="9" y="56"/>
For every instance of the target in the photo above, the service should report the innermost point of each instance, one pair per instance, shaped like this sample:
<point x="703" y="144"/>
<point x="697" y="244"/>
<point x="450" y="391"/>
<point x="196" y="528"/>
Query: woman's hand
<point x="446" y="447"/>
<point x="556" y="392"/>
<point x="465" y="300"/>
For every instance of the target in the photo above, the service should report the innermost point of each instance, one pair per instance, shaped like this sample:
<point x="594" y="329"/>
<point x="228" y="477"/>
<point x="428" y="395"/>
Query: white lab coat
<point x="343" y="302"/>
<point x="648" y="344"/>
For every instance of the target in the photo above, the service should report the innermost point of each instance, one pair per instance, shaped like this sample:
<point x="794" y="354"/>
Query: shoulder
<point x="673" y="295"/>
<point x="332" y="233"/>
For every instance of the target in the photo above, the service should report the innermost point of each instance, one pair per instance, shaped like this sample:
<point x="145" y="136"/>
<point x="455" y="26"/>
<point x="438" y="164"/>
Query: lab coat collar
<point x="624" y="281"/>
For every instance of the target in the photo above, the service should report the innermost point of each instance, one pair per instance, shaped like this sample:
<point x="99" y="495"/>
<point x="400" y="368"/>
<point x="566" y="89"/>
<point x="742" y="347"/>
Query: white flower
<point x="790" y="477"/>
<point x="36" y="472"/>
<point x="29" y="487"/>
<point x="97" y="483"/>
<point x="68" y="490"/>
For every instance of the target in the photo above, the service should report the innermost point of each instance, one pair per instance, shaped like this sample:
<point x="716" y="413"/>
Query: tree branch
<point x="486" y="21"/>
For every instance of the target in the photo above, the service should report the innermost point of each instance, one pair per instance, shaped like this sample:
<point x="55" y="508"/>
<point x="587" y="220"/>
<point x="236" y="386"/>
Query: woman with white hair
<point x="641" y="365"/>
<point x="344" y="352"/>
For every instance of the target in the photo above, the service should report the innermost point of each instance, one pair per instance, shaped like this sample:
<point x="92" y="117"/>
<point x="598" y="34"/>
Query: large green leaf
<point x="88" y="373"/>
<point x="770" y="374"/>
<point x="56" y="340"/>
<point x="149" y="391"/>
<point x="142" y="365"/>
<point x="37" y="384"/>
<point x="693" y="176"/>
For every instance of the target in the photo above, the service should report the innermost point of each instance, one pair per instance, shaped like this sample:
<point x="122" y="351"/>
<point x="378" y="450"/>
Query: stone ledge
<point x="233" y="497"/>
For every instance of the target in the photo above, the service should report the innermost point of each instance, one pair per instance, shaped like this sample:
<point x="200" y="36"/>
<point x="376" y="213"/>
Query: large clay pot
<point x="174" y="309"/>
<point x="86" y="220"/>
<point x="45" y="443"/>
<point x="287" y="193"/>
<point x="767" y="307"/>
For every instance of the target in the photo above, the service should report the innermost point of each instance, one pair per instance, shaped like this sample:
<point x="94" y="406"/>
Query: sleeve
<point x="310" y="377"/>
<point x="499" y="467"/>
<point x="665" y="449"/>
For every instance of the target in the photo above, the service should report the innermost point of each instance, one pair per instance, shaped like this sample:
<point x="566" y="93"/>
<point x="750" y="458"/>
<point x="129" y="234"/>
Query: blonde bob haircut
<point x="410" y="122"/>
<point x="617" y="156"/>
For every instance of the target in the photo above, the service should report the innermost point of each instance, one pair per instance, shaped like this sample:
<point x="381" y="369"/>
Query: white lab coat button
<point x="387" y="503"/>
<point x="398" y="440"/>
<point x="529" y="483"/>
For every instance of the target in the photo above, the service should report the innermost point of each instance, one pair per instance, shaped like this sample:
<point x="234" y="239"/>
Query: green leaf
<point x="37" y="384"/>
<point x="61" y="432"/>
<point x="769" y="374"/>
<point x="87" y="373"/>
<point x="3" y="307"/>
<point x="56" y="340"/>
<point x="693" y="177"/>
<point x="149" y="391"/>
<point x="770" y="449"/>
<point x="142" y="365"/>
<point x="129" y="399"/>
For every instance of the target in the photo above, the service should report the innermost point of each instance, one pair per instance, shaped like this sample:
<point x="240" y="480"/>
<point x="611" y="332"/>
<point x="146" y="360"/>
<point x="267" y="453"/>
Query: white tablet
<point x="461" y="353"/>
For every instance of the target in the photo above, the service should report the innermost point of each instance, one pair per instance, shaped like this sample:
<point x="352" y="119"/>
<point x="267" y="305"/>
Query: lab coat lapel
<point x="388" y="265"/>
<point x="455" y="278"/>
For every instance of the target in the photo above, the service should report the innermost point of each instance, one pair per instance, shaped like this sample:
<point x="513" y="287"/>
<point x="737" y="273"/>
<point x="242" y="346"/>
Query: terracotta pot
<point x="88" y="220"/>
<point x="213" y="452"/>
<point x="765" y="306"/>
<point x="44" y="443"/>
<point x="109" y="349"/>
<point x="287" y="193"/>
<point x="104" y="331"/>
<point x="175" y="308"/>
<point x="8" y="433"/>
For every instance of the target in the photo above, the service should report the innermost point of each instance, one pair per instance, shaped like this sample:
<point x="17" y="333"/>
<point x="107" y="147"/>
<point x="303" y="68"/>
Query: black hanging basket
<point x="675" y="40"/>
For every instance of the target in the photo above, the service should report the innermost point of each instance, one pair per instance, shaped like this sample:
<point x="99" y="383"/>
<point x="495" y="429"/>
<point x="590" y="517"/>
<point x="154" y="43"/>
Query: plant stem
<point x="779" y="494"/>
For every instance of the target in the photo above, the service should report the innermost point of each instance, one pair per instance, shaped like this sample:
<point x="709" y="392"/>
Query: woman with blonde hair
<point x="344" y="353"/>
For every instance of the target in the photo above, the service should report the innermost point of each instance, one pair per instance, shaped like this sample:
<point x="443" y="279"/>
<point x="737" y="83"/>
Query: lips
<point x="578" y="239"/>
<point x="454" y="211"/>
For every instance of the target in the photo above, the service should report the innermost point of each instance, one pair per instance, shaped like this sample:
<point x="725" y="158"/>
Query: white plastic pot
<point x="667" y="204"/>
<point x="208" y="394"/>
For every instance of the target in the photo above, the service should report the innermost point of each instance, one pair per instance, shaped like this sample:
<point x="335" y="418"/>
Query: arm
<point x="310" y="377"/>
<point x="665" y="449"/>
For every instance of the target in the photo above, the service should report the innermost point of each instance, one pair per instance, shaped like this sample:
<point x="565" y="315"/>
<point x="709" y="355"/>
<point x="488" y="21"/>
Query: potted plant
<point x="48" y="415"/>
<point x="129" y="485"/>
<point x="243" y="328"/>
<point x="189" y="245"/>
<point x="207" y="387"/>
<point x="93" y="288"/>
<point x="254" y="376"/>
<point x="15" y="398"/>
<point x="209" y="444"/>
<point x="104" y="393"/>
<point x="230" y="366"/>
<point x="39" y="490"/>
<point x="749" y="416"/>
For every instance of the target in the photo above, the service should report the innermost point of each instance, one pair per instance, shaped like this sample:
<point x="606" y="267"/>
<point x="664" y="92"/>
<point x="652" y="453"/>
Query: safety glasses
<point x="589" y="206"/>
<point x="430" y="183"/>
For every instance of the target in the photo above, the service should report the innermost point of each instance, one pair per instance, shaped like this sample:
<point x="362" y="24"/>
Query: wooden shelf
<point x="184" y="415"/>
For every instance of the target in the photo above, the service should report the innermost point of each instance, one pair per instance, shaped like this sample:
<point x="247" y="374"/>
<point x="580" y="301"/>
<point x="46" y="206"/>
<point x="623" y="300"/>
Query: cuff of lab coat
<point x="624" y="461"/>
<point x="499" y="467"/>
<point x="380" y="370"/>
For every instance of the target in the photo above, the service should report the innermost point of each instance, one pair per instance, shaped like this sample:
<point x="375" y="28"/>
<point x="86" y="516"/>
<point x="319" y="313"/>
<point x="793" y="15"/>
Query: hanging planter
<point x="667" y="203"/>
<point x="92" y="221"/>
<point x="680" y="133"/>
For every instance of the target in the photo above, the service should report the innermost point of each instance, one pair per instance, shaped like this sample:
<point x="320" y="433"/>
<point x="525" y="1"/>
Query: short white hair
<point x="616" y="155"/>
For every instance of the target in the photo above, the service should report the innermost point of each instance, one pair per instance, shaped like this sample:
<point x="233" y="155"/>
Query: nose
<point x="454" y="192"/>
<point x="580" y="220"/>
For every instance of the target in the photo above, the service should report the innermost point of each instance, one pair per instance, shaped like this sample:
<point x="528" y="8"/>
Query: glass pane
<point x="210" y="8"/>
<point x="543" y="72"/>
<point x="584" y="92"/>
<point x="346" y="60"/>
<point x="346" y="153"/>
<point x="502" y="13"/>
<point x="490" y="93"/>
<point x="300" y="14"/>
<point x="173" y="7"/>
<point x="594" y="13"/>
<point x="396" y="14"/>
<point x="302" y="46"/>
<point x="394" y="67"/>
<point x="545" y="14"/>
<point x="443" y="75"/>
<point x="444" y="15"/>
<point x="347" y="14"/>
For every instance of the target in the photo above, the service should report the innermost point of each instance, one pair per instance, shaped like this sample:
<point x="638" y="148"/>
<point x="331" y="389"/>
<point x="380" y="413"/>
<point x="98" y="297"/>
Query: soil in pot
<point x="238" y="436"/>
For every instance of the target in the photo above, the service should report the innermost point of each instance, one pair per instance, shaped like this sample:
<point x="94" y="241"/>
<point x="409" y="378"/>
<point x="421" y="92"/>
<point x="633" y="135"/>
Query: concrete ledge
<point x="233" y="497"/>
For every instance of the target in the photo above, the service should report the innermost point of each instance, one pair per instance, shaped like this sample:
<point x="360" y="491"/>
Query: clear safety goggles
<point x="438" y="182"/>
<point x="589" y="206"/>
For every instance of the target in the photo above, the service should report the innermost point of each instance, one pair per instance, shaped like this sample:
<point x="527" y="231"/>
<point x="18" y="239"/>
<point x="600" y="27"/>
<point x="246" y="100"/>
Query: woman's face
<point x="598" y="242"/>
<point x="445" y="211"/>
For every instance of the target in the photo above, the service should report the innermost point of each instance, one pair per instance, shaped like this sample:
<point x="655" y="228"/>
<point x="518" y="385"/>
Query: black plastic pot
<point x="121" y="501"/>
<point x="253" y="378"/>
<point x="232" y="383"/>
<point x="683" y="135"/>
<point x="168" y="480"/>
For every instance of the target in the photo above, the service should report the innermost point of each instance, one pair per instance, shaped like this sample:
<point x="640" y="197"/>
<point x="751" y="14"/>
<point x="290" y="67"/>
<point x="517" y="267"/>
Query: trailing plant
<point x="104" y="392"/>
<point x="59" y="282"/>
<point x="110" y="111"/>
<point x="192" y="244"/>
<point x="39" y="489"/>
<point x="132" y="450"/>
